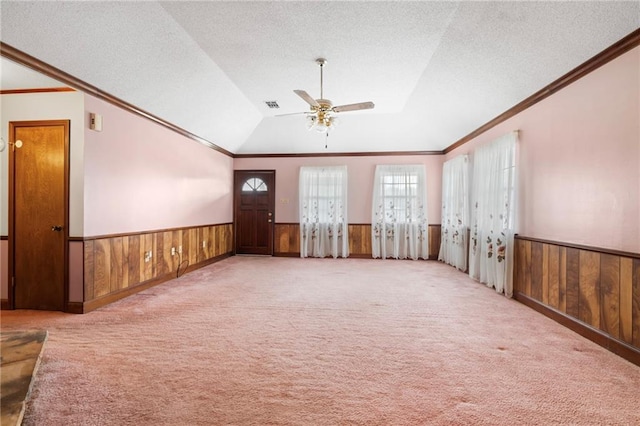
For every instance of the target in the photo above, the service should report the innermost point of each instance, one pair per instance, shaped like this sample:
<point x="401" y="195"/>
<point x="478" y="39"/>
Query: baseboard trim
<point x="351" y="256"/>
<point x="75" y="307"/>
<point x="100" y="302"/>
<point x="286" y="254"/>
<point x="297" y="254"/>
<point x="622" y="349"/>
<point x="5" y="305"/>
<point x="361" y="256"/>
<point x="207" y="262"/>
<point x="92" y="305"/>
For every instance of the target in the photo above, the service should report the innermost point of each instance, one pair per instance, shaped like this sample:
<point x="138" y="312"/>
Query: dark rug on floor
<point x="21" y="351"/>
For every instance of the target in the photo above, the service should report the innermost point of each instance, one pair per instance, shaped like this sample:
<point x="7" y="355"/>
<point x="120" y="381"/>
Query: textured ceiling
<point x="435" y="70"/>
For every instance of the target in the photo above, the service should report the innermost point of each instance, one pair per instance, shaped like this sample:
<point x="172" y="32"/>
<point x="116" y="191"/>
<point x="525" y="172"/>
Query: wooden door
<point x="254" y="199"/>
<point x="38" y="214"/>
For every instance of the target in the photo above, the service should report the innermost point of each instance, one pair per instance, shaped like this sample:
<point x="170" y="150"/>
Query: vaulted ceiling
<point x="436" y="71"/>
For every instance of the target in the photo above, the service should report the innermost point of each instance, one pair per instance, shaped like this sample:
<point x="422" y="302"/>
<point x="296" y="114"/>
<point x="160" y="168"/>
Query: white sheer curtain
<point x="493" y="202"/>
<point x="399" y="212"/>
<point x="323" y="212"/>
<point x="455" y="212"/>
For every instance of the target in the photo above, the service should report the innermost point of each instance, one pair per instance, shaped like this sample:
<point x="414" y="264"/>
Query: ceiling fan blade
<point x="307" y="98"/>
<point x="292" y="113"/>
<point x="353" y="107"/>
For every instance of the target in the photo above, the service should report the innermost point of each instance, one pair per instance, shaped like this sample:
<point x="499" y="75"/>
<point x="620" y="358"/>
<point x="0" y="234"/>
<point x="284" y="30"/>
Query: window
<point x="399" y="192"/>
<point x="399" y="215"/>
<point x="493" y="214"/>
<point x="254" y="184"/>
<point x="323" y="212"/>
<point x="455" y="212"/>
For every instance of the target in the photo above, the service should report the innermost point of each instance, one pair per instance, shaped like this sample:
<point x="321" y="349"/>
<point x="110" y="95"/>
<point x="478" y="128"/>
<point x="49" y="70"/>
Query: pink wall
<point x="141" y="176"/>
<point x="361" y="172"/>
<point x="579" y="160"/>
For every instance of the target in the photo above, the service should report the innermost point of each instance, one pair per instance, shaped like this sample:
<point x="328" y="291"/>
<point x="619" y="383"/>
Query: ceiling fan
<point x="322" y="116"/>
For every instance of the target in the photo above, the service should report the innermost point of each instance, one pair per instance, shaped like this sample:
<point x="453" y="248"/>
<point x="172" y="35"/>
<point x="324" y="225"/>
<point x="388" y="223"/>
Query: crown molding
<point x="35" y="64"/>
<point x="341" y="154"/>
<point x="612" y="52"/>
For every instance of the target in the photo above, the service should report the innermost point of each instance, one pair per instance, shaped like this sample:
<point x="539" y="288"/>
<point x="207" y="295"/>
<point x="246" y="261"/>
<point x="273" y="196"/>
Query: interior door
<point x="38" y="215"/>
<point x="254" y="201"/>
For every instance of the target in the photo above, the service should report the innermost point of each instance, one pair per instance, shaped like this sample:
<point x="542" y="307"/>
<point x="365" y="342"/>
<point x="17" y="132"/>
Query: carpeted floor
<point x="258" y="341"/>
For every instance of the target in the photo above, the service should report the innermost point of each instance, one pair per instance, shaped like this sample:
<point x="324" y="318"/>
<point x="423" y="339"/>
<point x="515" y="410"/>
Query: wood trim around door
<point x="40" y="90"/>
<point x="11" y="234"/>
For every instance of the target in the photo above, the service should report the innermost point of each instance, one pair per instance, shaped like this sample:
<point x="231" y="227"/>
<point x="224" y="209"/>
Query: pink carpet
<point x="281" y="341"/>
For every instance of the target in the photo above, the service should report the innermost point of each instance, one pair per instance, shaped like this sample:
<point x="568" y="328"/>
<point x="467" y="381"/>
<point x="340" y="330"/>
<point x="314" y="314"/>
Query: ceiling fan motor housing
<point x="325" y="104"/>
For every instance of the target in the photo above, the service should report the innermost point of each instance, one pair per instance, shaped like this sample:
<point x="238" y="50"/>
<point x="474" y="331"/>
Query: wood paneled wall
<point x="117" y="265"/>
<point x="287" y="240"/>
<point x="434" y="241"/>
<point x="360" y="240"/>
<point x="598" y="289"/>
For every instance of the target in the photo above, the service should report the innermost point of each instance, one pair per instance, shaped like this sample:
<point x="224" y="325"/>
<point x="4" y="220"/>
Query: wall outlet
<point x="179" y="249"/>
<point x="204" y="244"/>
<point x="148" y="255"/>
<point x="173" y="251"/>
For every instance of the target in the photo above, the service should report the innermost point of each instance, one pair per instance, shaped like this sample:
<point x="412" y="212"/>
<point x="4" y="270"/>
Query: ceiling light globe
<point x="311" y="122"/>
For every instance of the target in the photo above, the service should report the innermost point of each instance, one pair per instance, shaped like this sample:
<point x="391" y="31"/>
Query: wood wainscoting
<point x="115" y="266"/>
<point x="287" y="240"/>
<point x="595" y="292"/>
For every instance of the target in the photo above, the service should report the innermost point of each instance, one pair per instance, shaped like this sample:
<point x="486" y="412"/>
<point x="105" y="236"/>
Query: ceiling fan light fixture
<point x="321" y="128"/>
<point x="319" y="125"/>
<point x="311" y="121"/>
<point x="323" y="115"/>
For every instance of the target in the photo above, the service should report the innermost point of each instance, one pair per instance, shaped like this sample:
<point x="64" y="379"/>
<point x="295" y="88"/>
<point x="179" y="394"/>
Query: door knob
<point x="56" y="228"/>
<point x="269" y="220"/>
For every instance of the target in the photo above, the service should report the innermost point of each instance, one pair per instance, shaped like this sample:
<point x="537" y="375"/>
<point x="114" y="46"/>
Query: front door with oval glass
<point x="254" y="202"/>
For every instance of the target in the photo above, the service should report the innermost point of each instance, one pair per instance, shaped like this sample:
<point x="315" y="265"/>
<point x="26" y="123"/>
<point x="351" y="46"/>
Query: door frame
<point x="11" y="237"/>
<point x="272" y="207"/>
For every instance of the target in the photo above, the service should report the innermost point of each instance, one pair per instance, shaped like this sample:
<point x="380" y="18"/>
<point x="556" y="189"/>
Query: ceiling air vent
<point x="272" y="104"/>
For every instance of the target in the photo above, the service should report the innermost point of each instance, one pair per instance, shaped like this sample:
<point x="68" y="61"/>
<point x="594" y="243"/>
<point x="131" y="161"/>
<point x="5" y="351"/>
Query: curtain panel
<point x="323" y="212"/>
<point x="399" y="212"/>
<point x="455" y="212"/>
<point x="493" y="202"/>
